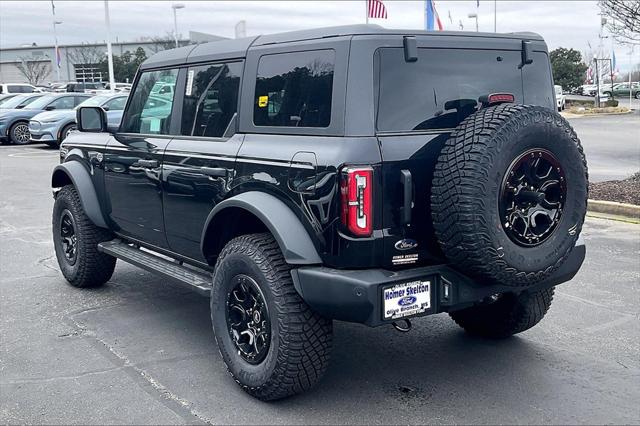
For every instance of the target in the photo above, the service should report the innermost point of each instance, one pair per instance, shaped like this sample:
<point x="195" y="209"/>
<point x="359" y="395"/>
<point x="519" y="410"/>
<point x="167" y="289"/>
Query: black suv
<point x="351" y="173"/>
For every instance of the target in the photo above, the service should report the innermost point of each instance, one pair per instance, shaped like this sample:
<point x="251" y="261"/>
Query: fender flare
<point x="83" y="183"/>
<point x="291" y="236"/>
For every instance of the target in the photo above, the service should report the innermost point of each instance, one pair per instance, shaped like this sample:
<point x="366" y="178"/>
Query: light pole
<point x="175" y="7"/>
<point x="472" y="16"/>
<point x="55" y="40"/>
<point x="112" y="80"/>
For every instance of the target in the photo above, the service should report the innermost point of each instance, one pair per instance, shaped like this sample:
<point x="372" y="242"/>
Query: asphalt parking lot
<point x="141" y="351"/>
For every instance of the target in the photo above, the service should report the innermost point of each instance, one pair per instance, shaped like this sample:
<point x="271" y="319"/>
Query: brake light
<point x="356" y="195"/>
<point x="497" y="98"/>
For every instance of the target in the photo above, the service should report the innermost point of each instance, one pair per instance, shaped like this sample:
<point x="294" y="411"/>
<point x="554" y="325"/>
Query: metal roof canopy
<point x="237" y="48"/>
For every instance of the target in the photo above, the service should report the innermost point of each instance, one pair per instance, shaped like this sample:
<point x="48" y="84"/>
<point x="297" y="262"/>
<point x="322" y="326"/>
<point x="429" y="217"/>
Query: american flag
<point x="376" y="9"/>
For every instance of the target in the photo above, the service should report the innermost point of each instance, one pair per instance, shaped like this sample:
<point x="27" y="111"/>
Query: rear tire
<point x="637" y="95"/>
<point x="508" y="315"/>
<point x="75" y="239"/>
<point x="19" y="133"/>
<point x="292" y="342"/>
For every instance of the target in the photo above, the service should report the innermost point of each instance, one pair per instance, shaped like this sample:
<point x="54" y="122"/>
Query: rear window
<point x="294" y="89"/>
<point x="442" y="87"/>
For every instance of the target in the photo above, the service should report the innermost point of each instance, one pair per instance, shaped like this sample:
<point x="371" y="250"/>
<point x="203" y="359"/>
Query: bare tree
<point x="623" y="19"/>
<point x="35" y="70"/>
<point x="86" y="54"/>
<point x="163" y="42"/>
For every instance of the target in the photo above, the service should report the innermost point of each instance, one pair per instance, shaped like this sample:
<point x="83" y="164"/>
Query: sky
<point x="562" y="23"/>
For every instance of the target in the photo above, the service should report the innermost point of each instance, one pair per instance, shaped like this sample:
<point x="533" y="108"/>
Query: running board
<point x="200" y="282"/>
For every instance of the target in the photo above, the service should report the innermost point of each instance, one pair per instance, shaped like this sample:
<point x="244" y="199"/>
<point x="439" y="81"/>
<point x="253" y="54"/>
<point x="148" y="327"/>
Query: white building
<point x="78" y="62"/>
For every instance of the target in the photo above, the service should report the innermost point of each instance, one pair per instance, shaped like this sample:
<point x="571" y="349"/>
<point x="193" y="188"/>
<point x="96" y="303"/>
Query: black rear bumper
<point x="356" y="295"/>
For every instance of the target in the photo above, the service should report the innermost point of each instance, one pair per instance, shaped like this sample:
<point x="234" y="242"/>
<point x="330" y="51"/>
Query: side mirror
<point x="91" y="119"/>
<point x="106" y="108"/>
<point x="49" y="108"/>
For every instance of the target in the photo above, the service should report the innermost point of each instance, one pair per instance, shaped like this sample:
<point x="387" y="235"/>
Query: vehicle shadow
<point x="167" y="330"/>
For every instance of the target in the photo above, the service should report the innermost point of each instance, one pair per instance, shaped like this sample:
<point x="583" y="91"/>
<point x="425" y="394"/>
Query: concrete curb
<point x="595" y="114"/>
<point x="631" y="212"/>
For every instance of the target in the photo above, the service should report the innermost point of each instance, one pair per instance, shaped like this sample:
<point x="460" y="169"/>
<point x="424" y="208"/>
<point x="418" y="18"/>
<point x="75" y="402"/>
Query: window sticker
<point x="263" y="101"/>
<point x="189" y="83"/>
<point x="154" y="125"/>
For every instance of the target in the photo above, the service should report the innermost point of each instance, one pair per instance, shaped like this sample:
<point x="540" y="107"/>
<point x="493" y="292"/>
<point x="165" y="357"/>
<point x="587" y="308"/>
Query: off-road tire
<point x="91" y="267"/>
<point x="468" y="180"/>
<point x="13" y="136"/>
<point x="509" y="315"/>
<point x="301" y="339"/>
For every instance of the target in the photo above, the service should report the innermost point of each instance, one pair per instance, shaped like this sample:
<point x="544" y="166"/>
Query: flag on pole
<point x="376" y="9"/>
<point x="432" y="16"/>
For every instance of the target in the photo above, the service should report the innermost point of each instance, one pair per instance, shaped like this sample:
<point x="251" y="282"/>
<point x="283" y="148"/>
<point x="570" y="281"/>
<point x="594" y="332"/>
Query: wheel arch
<point x="258" y="212"/>
<point x="75" y="174"/>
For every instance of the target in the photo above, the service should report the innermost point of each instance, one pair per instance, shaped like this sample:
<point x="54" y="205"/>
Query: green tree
<point x="568" y="69"/>
<point x="125" y="65"/>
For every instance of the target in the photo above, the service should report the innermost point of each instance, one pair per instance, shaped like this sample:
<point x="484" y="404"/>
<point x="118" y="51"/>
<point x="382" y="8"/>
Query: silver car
<point x="52" y="127"/>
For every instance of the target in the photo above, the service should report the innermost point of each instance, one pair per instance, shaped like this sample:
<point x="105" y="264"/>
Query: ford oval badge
<point x="406" y="244"/>
<point x="407" y="300"/>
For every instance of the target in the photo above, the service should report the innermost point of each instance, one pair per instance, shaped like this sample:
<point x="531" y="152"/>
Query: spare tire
<point x="509" y="194"/>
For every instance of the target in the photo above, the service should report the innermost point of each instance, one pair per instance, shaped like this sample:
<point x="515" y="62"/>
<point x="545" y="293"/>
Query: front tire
<point x="508" y="315"/>
<point x="19" y="133"/>
<point x="75" y="239"/>
<point x="637" y="95"/>
<point x="273" y="344"/>
<point x="66" y="130"/>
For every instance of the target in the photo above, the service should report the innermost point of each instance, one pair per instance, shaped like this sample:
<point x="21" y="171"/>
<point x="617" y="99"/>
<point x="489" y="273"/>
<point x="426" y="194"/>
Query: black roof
<point x="237" y="48"/>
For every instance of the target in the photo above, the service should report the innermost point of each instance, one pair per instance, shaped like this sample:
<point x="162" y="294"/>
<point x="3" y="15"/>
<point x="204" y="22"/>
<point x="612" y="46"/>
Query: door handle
<point x="214" y="171"/>
<point x="147" y="163"/>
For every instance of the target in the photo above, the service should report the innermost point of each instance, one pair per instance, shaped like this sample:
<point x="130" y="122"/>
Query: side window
<point x="116" y="104"/>
<point x="66" y="102"/>
<point x="150" y="107"/>
<point x="80" y="99"/>
<point x="211" y="99"/>
<point x="294" y="89"/>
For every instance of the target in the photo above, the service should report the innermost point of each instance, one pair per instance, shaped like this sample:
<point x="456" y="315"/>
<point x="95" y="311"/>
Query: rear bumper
<point x="356" y="295"/>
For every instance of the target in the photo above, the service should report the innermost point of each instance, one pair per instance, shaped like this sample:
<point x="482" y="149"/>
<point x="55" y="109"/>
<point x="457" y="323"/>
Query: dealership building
<point x="79" y="62"/>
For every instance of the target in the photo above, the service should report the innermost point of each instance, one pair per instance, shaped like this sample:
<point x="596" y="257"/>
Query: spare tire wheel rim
<point x="533" y="196"/>
<point x="248" y="319"/>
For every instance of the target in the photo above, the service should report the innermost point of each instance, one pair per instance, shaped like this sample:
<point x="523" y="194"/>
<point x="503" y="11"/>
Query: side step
<point x="200" y="282"/>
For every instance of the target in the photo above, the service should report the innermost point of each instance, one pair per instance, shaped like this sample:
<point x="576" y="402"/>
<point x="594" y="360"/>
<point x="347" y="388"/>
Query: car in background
<point x="18" y="88"/>
<point x="19" y="101"/>
<point x="14" y="123"/>
<point x="118" y="88"/>
<point x="561" y="99"/>
<point x="52" y="127"/>
<point x="75" y="87"/>
<point x="622" y="89"/>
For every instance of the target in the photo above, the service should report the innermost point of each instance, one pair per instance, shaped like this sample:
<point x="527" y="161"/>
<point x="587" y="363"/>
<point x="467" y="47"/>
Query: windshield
<point x="19" y="101"/>
<point x="95" y="101"/>
<point x="6" y="99"/>
<point x="41" y="102"/>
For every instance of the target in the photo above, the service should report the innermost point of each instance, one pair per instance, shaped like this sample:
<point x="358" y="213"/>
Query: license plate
<point x="406" y="299"/>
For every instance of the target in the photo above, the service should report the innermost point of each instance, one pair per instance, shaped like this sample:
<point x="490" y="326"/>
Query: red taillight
<point x="355" y="190"/>
<point x="501" y="97"/>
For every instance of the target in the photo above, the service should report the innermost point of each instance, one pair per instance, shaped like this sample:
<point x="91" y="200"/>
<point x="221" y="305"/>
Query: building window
<point x="87" y="73"/>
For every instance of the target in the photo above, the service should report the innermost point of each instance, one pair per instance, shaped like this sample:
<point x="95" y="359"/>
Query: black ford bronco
<point x="351" y="173"/>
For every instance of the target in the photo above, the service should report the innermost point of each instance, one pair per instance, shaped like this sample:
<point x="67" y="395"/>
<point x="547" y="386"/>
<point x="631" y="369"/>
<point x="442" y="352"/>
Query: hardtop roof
<point x="237" y="48"/>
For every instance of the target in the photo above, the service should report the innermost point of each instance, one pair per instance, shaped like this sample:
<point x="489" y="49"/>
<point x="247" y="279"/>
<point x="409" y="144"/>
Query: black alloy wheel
<point x="248" y="319"/>
<point x="68" y="237"/>
<point x="532" y="198"/>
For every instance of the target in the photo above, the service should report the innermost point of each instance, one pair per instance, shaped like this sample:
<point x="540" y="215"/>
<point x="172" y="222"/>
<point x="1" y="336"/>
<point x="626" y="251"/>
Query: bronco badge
<point x="406" y="244"/>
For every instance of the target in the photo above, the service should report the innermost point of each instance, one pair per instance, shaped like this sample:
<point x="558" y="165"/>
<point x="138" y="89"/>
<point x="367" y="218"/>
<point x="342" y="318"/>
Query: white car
<point x="561" y="99"/>
<point x="18" y="88"/>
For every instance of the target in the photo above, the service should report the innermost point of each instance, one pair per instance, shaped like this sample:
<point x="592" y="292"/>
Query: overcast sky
<point x="561" y="23"/>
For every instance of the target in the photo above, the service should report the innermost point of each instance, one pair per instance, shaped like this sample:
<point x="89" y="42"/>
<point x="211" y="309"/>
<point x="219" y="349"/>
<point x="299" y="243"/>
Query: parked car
<point x="19" y="101"/>
<point x="352" y="173"/>
<point x="623" y="89"/>
<point x="52" y="127"/>
<point x="18" y="88"/>
<point x="5" y="98"/>
<point x="561" y="98"/>
<point x="14" y="123"/>
<point x="118" y="87"/>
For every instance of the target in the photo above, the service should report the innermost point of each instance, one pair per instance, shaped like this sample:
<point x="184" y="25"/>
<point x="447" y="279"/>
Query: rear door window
<point x="294" y="89"/>
<point x="149" y="111"/>
<point x="442" y="87"/>
<point x="116" y="104"/>
<point x="210" y="99"/>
